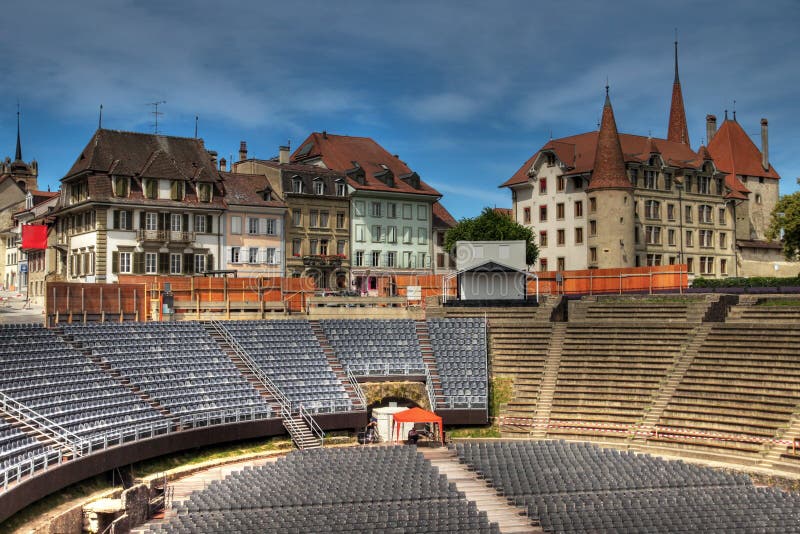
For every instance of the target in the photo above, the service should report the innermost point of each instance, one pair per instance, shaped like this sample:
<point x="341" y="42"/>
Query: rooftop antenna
<point x="196" y="118"/>
<point x="100" y="118"/>
<point x="156" y="113"/>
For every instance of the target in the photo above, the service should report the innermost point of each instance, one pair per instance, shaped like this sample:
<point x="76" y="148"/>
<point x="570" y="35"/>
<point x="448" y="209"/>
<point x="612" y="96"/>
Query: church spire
<point x="18" y="153"/>
<point x="609" y="163"/>
<point x="677" y="131"/>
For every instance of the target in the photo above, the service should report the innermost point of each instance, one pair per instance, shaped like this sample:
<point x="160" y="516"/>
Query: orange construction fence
<point x="73" y="302"/>
<point x="606" y="281"/>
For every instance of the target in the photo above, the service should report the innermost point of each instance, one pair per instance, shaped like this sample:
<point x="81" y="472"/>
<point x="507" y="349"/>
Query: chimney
<point x="243" y="151"/>
<point x="711" y="128"/>
<point x="324" y="134"/>
<point x="283" y="154"/>
<point x="213" y="154"/>
<point x="223" y="164"/>
<point x="764" y="145"/>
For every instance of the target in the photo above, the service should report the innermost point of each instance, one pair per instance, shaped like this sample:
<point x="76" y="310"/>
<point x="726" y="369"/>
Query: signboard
<point x="414" y="292"/>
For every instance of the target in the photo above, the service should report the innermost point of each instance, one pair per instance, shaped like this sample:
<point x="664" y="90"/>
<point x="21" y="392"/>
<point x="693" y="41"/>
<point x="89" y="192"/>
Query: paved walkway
<point x="14" y="308"/>
<point x="498" y="510"/>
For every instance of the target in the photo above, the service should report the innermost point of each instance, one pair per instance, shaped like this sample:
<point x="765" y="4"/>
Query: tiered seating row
<point x="459" y="347"/>
<point x="376" y="347"/>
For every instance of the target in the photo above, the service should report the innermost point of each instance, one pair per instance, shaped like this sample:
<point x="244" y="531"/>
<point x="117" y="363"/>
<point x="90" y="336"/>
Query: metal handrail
<point x="312" y="424"/>
<point x="429" y="389"/>
<point x="43" y="425"/>
<point x="388" y="369"/>
<point x="356" y="386"/>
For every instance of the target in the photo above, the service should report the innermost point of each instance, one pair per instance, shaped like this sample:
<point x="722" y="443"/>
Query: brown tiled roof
<point x="147" y="155"/>
<point x="508" y="212"/>
<point x="442" y="217"/>
<point x="307" y="174"/>
<point x="246" y="190"/>
<point x="609" y="171"/>
<point x="342" y="152"/>
<point x="745" y="243"/>
<point x="736" y="154"/>
<point x="677" y="130"/>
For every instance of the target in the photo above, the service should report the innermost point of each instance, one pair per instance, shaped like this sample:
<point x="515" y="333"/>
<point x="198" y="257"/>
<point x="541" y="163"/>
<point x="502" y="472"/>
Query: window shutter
<point x="142" y="219"/>
<point x="188" y="263"/>
<point x="114" y="263"/>
<point x="277" y="258"/>
<point x="163" y="263"/>
<point x="209" y="224"/>
<point x="173" y="190"/>
<point x="129" y="221"/>
<point x="185" y="225"/>
<point x="116" y="219"/>
<point x="210" y="262"/>
<point x="138" y="262"/>
<point x="161" y="222"/>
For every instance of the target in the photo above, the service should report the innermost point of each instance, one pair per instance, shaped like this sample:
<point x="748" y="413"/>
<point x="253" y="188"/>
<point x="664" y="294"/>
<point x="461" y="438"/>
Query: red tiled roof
<point x="736" y="154"/>
<point x="442" y="217"/>
<point x="677" y="131"/>
<point x="245" y="190"/>
<point x="341" y="152"/>
<point x="508" y="212"/>
<point x="609" y="163"/>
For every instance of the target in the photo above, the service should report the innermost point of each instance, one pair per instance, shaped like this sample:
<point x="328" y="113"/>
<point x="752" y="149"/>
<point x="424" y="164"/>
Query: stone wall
<point x="376" y="392"/>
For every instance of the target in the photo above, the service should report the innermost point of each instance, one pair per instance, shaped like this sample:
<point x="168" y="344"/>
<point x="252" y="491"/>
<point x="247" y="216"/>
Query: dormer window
<point x="551" y="159"/>
<point x="177" y="190"/>
<point x="267" y="195"/>
<point x="655" y="161"/>
<point x="150" y="187"/>
<point x="204" y="192"/>
<point x="297" y="185"/>
<point x="120" y="184"/>
<point x="319" y="187"/>
<point x="28" y="201"/>
<point x="341" y="189"/>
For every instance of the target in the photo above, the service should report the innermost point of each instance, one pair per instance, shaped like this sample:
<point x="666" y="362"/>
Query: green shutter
<point x="209" y="224"/>
<point x="188" y="263"/>
<point x="210" y="262"/>
<point x="173" y="190"/>
<point x="138" y="263"/>
<point x="114" y="263"/>
<point x="185" y="226"/>
<point x="163" y="263"/>
<point x="129" y="222"/>
<point x="162" y="221"/>
<point x="142" y="218"/>
<point x="116" y="220"/>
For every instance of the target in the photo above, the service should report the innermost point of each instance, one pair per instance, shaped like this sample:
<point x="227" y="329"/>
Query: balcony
<point x="323" y="261"/>
<point x="164" y="236"/>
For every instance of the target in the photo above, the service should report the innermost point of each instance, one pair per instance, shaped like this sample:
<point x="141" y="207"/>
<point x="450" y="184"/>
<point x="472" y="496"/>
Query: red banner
<point x="34" y="237"/>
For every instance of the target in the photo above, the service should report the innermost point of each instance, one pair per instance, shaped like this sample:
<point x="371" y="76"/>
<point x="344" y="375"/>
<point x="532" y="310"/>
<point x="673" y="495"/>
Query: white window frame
<point x="125" y="262"/>
<point x="200" y="263"/>
<point x="150" y="263"/>
<point x="175" y="263"/>
<point x="236" y="224"/>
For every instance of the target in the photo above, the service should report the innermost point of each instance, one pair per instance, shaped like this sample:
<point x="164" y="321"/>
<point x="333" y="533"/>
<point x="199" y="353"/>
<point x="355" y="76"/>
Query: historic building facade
<point x="608" y="199"/>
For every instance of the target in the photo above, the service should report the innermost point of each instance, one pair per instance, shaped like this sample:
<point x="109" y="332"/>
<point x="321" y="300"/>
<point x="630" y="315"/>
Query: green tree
<point x="786" y="218"/>
<point x="492" y="226"/>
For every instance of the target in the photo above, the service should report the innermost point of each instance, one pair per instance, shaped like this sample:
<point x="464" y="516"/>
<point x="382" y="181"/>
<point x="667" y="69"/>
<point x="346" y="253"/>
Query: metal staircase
<point x="44" y="429"/>
<point x="302" y="428"/>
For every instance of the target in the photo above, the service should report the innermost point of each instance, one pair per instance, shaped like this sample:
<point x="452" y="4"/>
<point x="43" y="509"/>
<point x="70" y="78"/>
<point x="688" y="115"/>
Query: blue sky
<point x="463" y="91"/>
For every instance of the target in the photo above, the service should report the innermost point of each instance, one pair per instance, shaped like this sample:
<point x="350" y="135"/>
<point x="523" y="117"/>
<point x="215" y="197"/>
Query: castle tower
<point x="677" y="130"/>
<point x="26" y="175"/>
<point x="610" y="194"/>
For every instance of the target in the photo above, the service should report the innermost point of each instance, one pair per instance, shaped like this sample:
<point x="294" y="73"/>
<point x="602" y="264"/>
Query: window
<point x="297" y="247"/>
<point x="323" y="219"/>
<point x="122" y="220"/>
<point x="542" y="213"/>
<point x="176" y="222"/>
<point x="297" y="218"/>
<point x="703" y="185"/>
<point x="723" y="240"/>
<point x="672" y="260"/>
<point x="667" y="182"/>
<point x="722" y="218"/>
<point x="543" y="238"/>
<point x="652" y="235"/>
<point x="376" y="258"/>
<point x="391" y="234"/>
<point x="551" y="159"/>
<point x="200" y="225"/>
<point x="199" y="263"/>
<point x="758" y="198"/>
<point x="422" y="257"/>
<point x="407" y="211"/>
<point x="270" y="256"/>
<point x="578" y="236"/>
<point x="560" y="237"/>
<point x="560" y="211"/>
<point x="650" y="180"/>
<point x="203" y="195"/>
<point x="422" y="236"/>
<point x="376" y="233"/>
<point x="422" y="212"/>
<point x="177" y="190"/>
<point x="689" y="238"/>
<point x="670" y="212"/>
<point x="688" y="184"/>
<point x="236" y="224"/>
<point x="671" y="236"/>
<point x="340" y="247"/>
<point x="543" y="264"/>
<point x="270" y="226"/>
<point x="542" y="186"/>
<point x="313" y="218"/>
<point x="297" y="186"/>
<point x="406" y="234"/>
<point x="690" y="265"/>
<point x="706" y="265"/>
<point x="151" y="221"/>
<point x="592" y="204"/>
<point x="235" y="251"/>
<point x="391" y="257"/>
<point x="592" y="228"/>
<point x="252" y="255"/>
<point x="359" y="207"/>
<point x="150" y="188"/>
<point x="653" y="260"/>
<point x="358" y="258"/>
<point x="391" y="210"/>
<point x="561" y="263"/>
<point x="323" y="247"/>
<point x="561" y="184"/>
<point x="360" y="232"/>
<point x="312" y="247"/>
<point x="704" y="214"/>
<point x="652" y="209"/>
<point x="319" y="187"/>
<point x="706" y="238"/>
<point x="121" y="186"/>
<point x="175" y="264"/>
<point x="125" y="262"/>
<point x="526" y="216"/>
<point x="578" y="209"/>
<point x="341" y="190"/>
<point x="723" y="266"/>
<point x="376" y="209"/>
<point x="633" y="176"/>
<point x="688" y="214"/>
<point x="339" y="219"/>
<point x="252" y="226"/>
<point x="593" y="254"/>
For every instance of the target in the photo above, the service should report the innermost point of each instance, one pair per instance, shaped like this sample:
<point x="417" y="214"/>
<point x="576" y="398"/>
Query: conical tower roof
<point x="609" y="163"/>
<point x="677" y="131"/>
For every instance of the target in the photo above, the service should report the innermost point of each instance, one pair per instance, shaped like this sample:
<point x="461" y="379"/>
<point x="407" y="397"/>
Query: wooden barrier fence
<point x="608" y="281"/>
<point x="72" y="302"/>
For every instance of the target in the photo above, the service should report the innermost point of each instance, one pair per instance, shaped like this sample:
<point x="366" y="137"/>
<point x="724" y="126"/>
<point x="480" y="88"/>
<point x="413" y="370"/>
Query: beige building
<point x="444" y="262"/>
<point x="41" y="265"/>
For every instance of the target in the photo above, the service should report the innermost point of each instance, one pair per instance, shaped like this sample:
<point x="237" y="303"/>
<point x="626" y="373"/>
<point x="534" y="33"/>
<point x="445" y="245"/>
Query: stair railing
<point x="41" y="424"/>
<point x="312" y="424"/>
<point x="356" y="386"/>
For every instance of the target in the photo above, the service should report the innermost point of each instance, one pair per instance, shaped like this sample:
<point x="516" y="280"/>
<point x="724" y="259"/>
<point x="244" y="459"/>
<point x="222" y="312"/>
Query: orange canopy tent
<point x="415" y="415"/>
